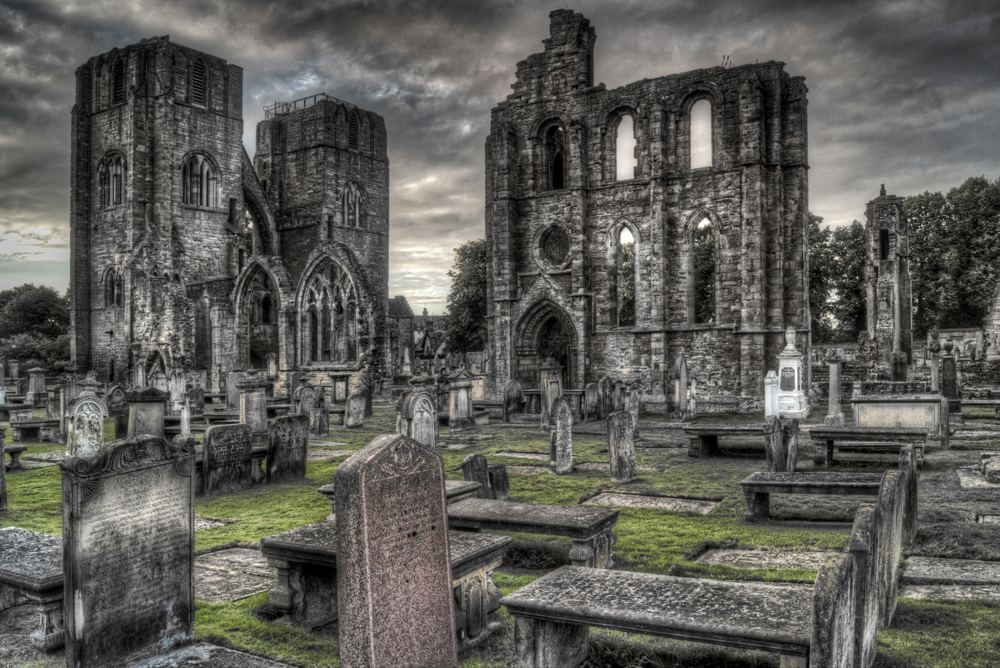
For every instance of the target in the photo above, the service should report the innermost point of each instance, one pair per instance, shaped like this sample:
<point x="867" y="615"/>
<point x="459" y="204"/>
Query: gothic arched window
<point x="701" y="134"/>
<point x="354" y="206"/>
<point x="626" y="165"/>
<point x="199" y="182"/>
<point x="118" y="81"/>
<point x="555" y="157"/>
<point x="112" y="181"/>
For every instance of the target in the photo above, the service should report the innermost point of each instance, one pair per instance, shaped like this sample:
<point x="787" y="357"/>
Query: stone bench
<point x="591" y="528"/>
<point x="454" y="490"/>
<point x="869" y="438"/>
<point x="832" y="624"/>
<point x="34" y="431"/>
<point x="703" y="439"/>
<point x="306" y="561"/>
<point x="31" y="571"/>
<point x="15" y="456"/>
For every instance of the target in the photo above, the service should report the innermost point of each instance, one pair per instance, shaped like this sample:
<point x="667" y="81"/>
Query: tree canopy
<point x="38" y="311"/>
<point x="465" y="327"/>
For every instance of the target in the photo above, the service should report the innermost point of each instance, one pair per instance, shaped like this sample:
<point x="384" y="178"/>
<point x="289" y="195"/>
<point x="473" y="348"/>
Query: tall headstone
<point x="561" y="439"/>
<point x="933" y="348"/>
<point x="196" y="397"/>
<point x="681" y="411"/>
<point x="354" y="413"/>
<point x="233" y="379"/>
<point x="633" y="409"/>
<point x="460" y="405"/>
<point x="86" y="422"/>
<point x="367" y="394"/>
<point x="186" y="417"/>
<point x="771" y="394"/>
<point x="227" y="459"/>
<point x="288" y="440"/>
<point x="550" y="383"/>
<point x="406" y="368"/>
<point x="781" y="443"/>
<point x="3" y="471"/>
<point x="319" y="422"/>
<point x="499" y="482"/>
<point x="146" y="411"/>
<point x="15" y="369"/>
<point x="394" y="584"/>
<point x="128" y="536"/>
<point x="591" y="402"/>
<point x="118" y="407"/>
<point x="305" y="397"/>
<point x="950" y="388"/>
<point x="621" y="447"/>
<point x="178" y="390"/>
<point x="512" y="398"/>
<point x="792" y="399"/>
<point x="36" y="394"/>
<point x="475" y="469"/>
<point x="418" y="417"/>
<point x="834" y="415"/>
<point x="272" y="366"/>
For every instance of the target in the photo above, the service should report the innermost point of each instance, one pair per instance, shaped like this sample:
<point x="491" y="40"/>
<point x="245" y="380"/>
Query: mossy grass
<point x="937" y="633"/>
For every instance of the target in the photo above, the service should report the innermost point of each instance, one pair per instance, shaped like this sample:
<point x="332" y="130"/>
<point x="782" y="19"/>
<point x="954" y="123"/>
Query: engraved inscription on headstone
<point x="499" y="482"/>
<point x="226" y="463"/>
<point x="394" y="584"/>
<point x="86" y="422"/>
<point x="146" y="410"/>
<point x="561" y="443"/>
<point x="787" y="382"/>
<point x="354" y="414"/>
<point x="475" y="469"/>
<point x="128" y="529"/>
<point x="621" y="447"/>
<point x="288" y="438"/>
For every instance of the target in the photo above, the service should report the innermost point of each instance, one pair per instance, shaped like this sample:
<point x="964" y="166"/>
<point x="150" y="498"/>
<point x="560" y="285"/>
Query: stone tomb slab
<point x="231" y="575"/>
<point x="653" y="502"/>
<point x="973" y="478"/>
<point x="958" y="592"/>
<point x="322" y="454"/>
<point x="128" y="519"/>
<point x="937" y="571"/>
<point x="988" y="519"/>
<point x="522" y="455"/>
<point x="765" y="558"/>
<point x="205" y="655"/>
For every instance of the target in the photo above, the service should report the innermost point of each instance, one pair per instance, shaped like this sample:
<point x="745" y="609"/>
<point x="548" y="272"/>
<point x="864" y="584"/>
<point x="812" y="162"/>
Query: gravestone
<point x="368" y="402"/>
<point x="771" y="394"/>
<point x="633" y="409"/>
<point x="340" y="384"/>
<point x="475" y="469"/>
<point x="3" y="470"/>
<point x="950" y="388"/>
<point x="128" y="530"/>
<point x="604" y="389"/>
<point x="890" y="503"/>
<point x="253" y="408"/>
<point x="561" y="440"/>
<point x="781" y="443"/>
<point x="15" y="369"/>
<point x="511" y="399"/>
<point x="394" y="586"/>
<point x="288" y="440"/>
<point x="36" y="394"/>
<point x="418" y="418"/>
<point x="460" y="405"/>
<point x="305" y="400"/>
<point x="118" y="408"/>
<point x="499" y="482"/>
<point x="272" y="366"/>
<point x="354" y="414"/>
<point x="319" y="421"/>
<point x="186" y="417"/>
<point x="865" y="545"/>
<point x="146" y="411"/>
<point x="933" y="348"/>
<point x="196" y="397"/>
<point x="681" y="409"/>
<point x="227" y="459"/>
<point x="178" y="390"/>
<point x="591" y="402"/>
<point x="834" y="415"/>
<point x="86" y="422"/>
<point x="621" y="447"/>
<point x="792" y="399"/>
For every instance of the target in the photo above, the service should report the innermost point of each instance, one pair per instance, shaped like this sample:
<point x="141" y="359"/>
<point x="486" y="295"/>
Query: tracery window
<point x="330" y="316"/>
<point x="354" y="206"/>
<point x="555" y="157"/>
<point x="199" y="182"/>
<point x="112" y="181"/>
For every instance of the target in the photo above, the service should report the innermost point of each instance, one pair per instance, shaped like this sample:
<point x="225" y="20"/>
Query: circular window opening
<point x="555" y="246"/>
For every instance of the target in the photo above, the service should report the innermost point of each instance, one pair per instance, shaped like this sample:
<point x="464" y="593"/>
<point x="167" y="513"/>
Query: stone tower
<point x="186" y="265"/>
<point x="887" y="277"/>
<point x="596" y="268"/>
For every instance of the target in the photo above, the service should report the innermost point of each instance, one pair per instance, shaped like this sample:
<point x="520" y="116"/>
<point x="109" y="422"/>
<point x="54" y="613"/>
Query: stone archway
<point x="546" y="331"/>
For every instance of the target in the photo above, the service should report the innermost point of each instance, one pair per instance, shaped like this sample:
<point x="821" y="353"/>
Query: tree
<point x="820" y="274"/>
<point x="846" y="264"/>
<point x="465" y="327"/>
<point x="38" y="311"/>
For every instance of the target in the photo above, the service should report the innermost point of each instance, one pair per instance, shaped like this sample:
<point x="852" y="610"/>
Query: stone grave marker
<point x="118" y="408"/>
<point x="605" y="389"/>
<point x="196" y="395"/>
<point x="354" y="415"/>
<point x="368" y="402"/>
<point x="781" y="444"/>
<point x="475" y="469"/>
<point x="418" y="418"/>
<point x="288" y="440"/>
<point x="511" y="399"/>
<point x="272" y="366"/>
<point x="253" y="408"/>
<point x="36" y="394"/>
<point x="186" y="417"/>
<point x="834" y="415"/>
<point x="771" y="394"/>
<point x="633" y="409"/>
<point x="128" y="530"/>
<point x="146" y="411"/>
<point x="233" y="379"/>
<point x="865" y="545"/>
<point x="890" y="503"/>
<point x="305" y="399"/>
<point x="394" y="586"/>
<point x="499" y="482"/>
<point x="226" y="459"/>
<point x="319" y="420"/>
<point x="15" y="369"/>
<point x="460" y="405"/>
<point x="591" y="402"/>
<point x="3" y="471"/>
<point x="561" y="440"/>
<point x="86" y="422"/>
<point x="621" y="447"/>
<point x="178" y="390"/>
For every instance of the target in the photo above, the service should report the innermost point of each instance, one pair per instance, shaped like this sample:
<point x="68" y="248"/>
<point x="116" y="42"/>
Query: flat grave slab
<point x="973" y="478"/>
<point x="231" y="575"/>
<point x="209" y="656"/>
<point x="527" y="470"/>
<point x="653" y="502"/>
<point x="598" y="466"/>
<point x="202" y="523"/>
<point x="322" y="454"/>
<point x="988" y="519"/>
<point x="765" y="558"/>
<point x="326" y="444"/>
<point x="959" y="592"/>
<point x="522" y="455"/>
<point x="934" y="570"/>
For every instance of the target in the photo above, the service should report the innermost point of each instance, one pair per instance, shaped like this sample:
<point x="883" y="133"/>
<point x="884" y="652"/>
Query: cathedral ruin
<point x="595" y="269"/>
<point x="189" y="259"/>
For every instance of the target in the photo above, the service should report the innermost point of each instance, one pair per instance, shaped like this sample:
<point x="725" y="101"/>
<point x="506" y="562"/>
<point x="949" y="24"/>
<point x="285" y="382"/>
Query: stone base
<point x="834" y="420"/>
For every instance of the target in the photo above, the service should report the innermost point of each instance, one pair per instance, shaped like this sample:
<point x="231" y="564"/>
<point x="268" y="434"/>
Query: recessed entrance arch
<point x="546" y="331"/>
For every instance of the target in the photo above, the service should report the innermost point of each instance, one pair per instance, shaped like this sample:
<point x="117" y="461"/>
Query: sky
<point x="906" y="93"/>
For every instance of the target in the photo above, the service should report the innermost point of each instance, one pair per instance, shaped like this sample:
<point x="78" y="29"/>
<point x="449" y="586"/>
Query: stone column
<point x="950" y="388"/>
<point x="834" y="416"/>
<point x="933" y="348"/>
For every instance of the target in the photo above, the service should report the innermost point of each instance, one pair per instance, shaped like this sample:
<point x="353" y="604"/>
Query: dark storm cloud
<point x="903" y="92"/>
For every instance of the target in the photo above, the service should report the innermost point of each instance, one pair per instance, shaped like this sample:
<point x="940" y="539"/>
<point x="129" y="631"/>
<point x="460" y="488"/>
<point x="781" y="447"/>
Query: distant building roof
<point x="398" y="307"/>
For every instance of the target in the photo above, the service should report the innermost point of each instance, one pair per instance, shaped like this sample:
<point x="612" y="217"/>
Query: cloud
<point x="900" y="91"/>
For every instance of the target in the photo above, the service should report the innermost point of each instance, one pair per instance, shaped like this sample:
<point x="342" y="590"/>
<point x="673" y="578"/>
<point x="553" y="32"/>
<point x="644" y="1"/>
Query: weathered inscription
<point x="227" y="459"/>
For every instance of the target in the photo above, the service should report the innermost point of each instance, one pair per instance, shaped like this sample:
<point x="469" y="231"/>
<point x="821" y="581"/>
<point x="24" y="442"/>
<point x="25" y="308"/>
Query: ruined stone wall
<point x="755" y="195"/>
<point x="887" y="277"/>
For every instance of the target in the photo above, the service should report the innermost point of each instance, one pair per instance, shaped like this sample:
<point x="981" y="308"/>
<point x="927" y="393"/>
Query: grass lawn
<point x="925" y="633"/>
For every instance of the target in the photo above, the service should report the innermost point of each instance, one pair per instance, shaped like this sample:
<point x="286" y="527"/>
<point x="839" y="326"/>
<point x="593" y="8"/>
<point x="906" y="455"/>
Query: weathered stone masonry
<point x="554" y="212"/>
<point x="188" y="258"/>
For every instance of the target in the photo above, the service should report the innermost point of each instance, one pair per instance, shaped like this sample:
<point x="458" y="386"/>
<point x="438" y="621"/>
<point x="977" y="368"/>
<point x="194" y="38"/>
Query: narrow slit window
<point x="199" y="77"/>
<point x="352" y="132"/>
<point x="625" y="144"/>
<point x="701" y="134"/>
<point x="118" y="81"/>
<point x="704" y="272"/>
<point x="883" y="244"/>
<point x="625" y="261"/>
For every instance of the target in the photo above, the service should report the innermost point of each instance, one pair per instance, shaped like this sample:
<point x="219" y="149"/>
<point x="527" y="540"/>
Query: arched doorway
<point x="257" y="318"/>
<point x="546" y="331"/>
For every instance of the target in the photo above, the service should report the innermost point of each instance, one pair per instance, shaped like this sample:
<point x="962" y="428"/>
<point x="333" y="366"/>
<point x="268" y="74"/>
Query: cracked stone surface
<point x="209" y="656"/>
<point x="654" y="502"/>
<point x="231" y="575"/>
<point x="934" y="570"/>
<point x="960" y="592"/>
<point x="972" y="478"/>
<point x="765" y="558"/>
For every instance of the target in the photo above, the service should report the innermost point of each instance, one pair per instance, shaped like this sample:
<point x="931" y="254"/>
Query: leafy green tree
<point x="845" y="263"/>
<point x="27" y="309"/>
<point x="820" y="273"/>
<point x="626" y="313"/>
<point x="465" y="327"/>
<point x="704" y="274"/>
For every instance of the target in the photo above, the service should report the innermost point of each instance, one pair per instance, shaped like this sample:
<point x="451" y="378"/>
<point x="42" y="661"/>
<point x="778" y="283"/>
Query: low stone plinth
<point x="906" y="411"/>
<point x="703" y="438"/>
<point x="31" y="570"/>
<point x="591" y="529"/>
<point x="875" y="438"/>
<point x="306" y="560"/>
<point x="34" y="431"/>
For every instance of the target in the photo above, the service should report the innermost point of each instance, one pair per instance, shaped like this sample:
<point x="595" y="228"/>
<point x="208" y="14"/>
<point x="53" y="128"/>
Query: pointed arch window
<point x="328" y="316"/>
<point x="623" y="311"/>
<point x="199" y="82"/>
<point x="109" y="288"/>
<point x="354" y="206"/>
<point x="112" y="181"/>
<point x="118" y="81"/>
<point x="704" y="273"/>
<point x="626" y="165"/>
<point x="701" y="134"/>
<point x="199" y="182"/>
<point x="554" y="139"/>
